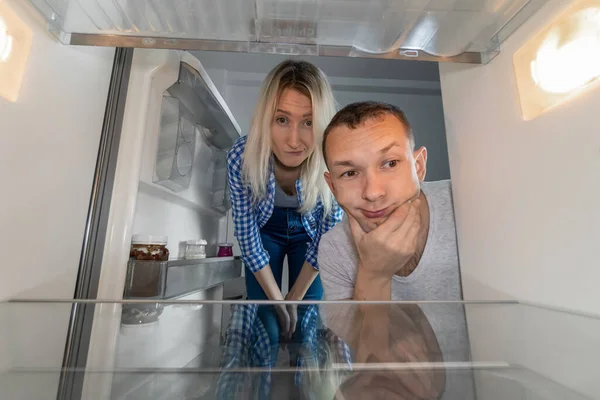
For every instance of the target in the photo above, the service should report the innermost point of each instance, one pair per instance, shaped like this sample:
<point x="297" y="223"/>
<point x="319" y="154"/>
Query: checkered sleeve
<point x="324" y="225"/>
<point x="246" y="230"/>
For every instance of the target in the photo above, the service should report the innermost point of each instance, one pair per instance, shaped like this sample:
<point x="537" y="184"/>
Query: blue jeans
<point x="283" y="235"/>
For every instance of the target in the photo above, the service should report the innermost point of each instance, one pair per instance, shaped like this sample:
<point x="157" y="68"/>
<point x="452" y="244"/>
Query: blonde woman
<point x="280" y="201"/>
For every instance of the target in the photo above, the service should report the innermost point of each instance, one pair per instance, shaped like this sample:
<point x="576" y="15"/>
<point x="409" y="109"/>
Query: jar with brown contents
<point x="149" y="248"/>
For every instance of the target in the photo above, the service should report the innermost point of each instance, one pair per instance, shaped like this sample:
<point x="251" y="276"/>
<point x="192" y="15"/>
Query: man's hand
<point x="387" y="248"/>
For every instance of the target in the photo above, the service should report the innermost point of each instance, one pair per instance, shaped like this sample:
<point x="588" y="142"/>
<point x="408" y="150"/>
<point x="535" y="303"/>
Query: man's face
<point x="373" y="169"/>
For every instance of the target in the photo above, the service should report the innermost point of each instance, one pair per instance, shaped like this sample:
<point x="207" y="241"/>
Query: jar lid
<point x="196" y="242"/>
<point x="149" y="239"/>
<point x="225" y="244"/>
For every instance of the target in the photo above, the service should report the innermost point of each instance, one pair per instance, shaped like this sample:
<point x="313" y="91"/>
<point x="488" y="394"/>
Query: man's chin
<point x="367" y="224"/>
<point x="370" y="224"/>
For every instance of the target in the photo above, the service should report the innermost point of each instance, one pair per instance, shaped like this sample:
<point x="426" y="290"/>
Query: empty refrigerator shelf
<point x="460" y="31"/>
<point x="508" y="351"/>
<point x="176" y="278"/>
<point x="178" y="198"/>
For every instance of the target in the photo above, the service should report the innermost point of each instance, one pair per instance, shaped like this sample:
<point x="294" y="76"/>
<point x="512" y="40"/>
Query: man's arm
<point x="346" y="282"/>
<point x="381" y="253"/>
<point x="342" y="279"/>
<point x="371" y="287"/>
<point x="351" y="321"/>
<point x="379" y="333"/>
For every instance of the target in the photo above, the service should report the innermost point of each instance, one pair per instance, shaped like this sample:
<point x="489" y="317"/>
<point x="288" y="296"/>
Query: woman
<point x="281" y="203"/>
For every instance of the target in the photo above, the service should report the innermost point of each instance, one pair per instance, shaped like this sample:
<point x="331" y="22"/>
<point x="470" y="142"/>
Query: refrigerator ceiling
<point x="436" y="30"/>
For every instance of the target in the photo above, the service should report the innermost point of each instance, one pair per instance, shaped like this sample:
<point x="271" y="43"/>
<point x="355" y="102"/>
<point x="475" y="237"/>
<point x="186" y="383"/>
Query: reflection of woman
<point x="246" y="365"/>
<point x="281" y="205"/>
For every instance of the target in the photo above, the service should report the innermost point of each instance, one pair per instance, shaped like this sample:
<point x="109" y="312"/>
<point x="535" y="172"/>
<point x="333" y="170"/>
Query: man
<point x="398" y="238"/>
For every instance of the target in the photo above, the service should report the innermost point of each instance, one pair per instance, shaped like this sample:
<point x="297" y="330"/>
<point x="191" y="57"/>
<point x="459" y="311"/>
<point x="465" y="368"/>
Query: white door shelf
<point x="176" y="278"/>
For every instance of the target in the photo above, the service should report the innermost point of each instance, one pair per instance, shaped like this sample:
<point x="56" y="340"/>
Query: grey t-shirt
<point x="282" y="199"/>
<point x="436" y="277"/>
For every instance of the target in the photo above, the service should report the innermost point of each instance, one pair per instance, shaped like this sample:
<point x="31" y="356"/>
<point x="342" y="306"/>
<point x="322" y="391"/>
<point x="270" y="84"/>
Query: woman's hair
<point x="312" y="82"/>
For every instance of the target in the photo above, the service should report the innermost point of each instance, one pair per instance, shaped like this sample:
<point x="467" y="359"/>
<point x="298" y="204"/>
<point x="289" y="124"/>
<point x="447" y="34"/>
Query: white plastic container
<point x="195" y="249"/>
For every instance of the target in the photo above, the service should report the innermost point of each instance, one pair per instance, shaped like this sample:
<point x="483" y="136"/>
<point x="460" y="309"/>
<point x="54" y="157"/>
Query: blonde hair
<point x="312" y="82"/>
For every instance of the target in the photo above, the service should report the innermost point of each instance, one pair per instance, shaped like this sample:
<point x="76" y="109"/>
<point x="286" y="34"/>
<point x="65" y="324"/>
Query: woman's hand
<point x="287" y="315"/>
<point x="284" y="319"/>
<point x="292" y="310"/>
<point x="266" y="280"/>
<point x="305" y="278"/>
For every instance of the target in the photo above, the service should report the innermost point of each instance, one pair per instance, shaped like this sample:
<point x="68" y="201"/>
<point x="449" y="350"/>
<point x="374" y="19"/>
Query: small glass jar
<point x="149" y="248"/>
<point x="225" y="250"/>
<point x="195" y="249"/>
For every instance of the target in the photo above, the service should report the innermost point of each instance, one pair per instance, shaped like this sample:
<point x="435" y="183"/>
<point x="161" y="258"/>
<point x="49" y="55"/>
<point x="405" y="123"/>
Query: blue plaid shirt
<point x="247" y="346"/>
<point x="249" y="218"/>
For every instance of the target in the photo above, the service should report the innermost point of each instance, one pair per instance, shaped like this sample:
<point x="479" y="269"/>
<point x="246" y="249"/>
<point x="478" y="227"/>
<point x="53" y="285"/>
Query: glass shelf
<point x="441" y="30"/>
<point x="453" y="350"/>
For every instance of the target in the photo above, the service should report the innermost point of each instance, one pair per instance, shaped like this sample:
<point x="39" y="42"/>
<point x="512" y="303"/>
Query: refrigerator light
<point x="563" y="65"/>
<point x="15" y="44"/>
<point x="6" y="42"/>
<point x="561" y="62"/>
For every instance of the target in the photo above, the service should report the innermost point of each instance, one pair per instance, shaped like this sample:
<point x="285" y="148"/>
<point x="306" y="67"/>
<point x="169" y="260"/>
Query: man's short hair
<point x="355" y="114"/>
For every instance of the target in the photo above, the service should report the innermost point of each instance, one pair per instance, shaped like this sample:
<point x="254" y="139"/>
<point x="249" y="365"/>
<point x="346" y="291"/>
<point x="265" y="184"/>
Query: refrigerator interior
<point x="161" y="211"/>
<point x="545" y="218"/>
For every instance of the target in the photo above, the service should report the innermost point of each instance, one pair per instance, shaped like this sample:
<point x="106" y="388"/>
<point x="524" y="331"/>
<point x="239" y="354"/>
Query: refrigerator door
<point x="153" y="74"/>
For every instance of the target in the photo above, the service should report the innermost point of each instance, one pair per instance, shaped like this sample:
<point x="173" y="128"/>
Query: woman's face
<point x="292" y="137"/>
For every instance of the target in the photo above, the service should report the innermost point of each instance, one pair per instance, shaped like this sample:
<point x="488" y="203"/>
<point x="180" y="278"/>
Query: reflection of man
<point x="401" y="363"/>
<point x="398" y="239"/>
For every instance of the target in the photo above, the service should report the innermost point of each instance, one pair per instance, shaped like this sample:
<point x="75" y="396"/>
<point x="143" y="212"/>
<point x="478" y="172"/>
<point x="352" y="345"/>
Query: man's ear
<point x="420" y="156"/>
<point x="327" y="176"/>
